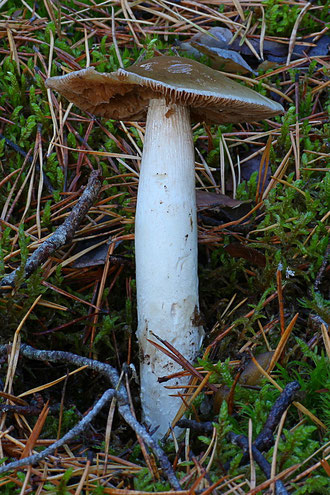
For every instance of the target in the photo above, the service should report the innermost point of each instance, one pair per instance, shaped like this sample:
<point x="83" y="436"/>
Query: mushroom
<point x="169" y="92"/>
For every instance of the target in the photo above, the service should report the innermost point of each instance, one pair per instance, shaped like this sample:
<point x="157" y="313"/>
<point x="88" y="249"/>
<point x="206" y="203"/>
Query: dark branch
<point x="264" y="465"/>
<point x="265" y="439"/>
<point x="77" y="430"/>
<point x="204" y="427"/>
<point x="64" y="233"/>
<point x="120" y="393"/>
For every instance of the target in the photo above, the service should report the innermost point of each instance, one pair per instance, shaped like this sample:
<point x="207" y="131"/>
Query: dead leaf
<point x="93" y="250"/>
<point x="224" y="59"/>
<point x="207" y="200"/>
<point x="237" y="250"/>
<point x="221" y="207"/>
<point x="318" y="48"/>
<point x="96" y="256"/>
<point x="31" y="441"/>
<point x="233" y="56"/>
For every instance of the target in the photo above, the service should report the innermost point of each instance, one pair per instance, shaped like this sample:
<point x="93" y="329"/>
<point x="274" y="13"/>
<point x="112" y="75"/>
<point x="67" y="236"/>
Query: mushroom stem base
<point x="166" y="257"/>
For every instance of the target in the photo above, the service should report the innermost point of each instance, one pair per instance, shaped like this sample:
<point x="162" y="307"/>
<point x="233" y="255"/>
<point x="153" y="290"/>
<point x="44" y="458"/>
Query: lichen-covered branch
<point x="77" y="430"/>
<point x="121" y="396"/>
<point x="64" y="233"/>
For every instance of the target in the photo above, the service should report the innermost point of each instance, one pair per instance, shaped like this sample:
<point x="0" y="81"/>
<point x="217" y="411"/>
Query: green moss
<point x="281" y="16"/>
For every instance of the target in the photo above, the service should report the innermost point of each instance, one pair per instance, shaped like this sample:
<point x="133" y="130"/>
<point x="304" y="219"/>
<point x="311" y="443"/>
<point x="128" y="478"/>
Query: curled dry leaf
<point x="224" y="59"/>
<point x="206" y="200"/>
<point x="234" y="56"/>
<point x="221" y="205"/>
<point x="216" y="45"/>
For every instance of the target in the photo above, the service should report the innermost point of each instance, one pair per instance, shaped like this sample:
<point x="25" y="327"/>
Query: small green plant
<point x="280" y="17"/>
<point x="8" y="488"/>
<point x="69" y="419"/>
<point x="62" y="488"/>
<point x="143" y="481"/>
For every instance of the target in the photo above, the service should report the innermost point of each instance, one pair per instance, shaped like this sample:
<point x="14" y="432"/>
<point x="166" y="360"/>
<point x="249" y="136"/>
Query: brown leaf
<point x="36" y="431"/>
<point x="224" y="59"/>
<point x="237" y="250"/>
<point x="221" y="207"/>
<point x="218" y="41"/>
<point x="206" y="200"/>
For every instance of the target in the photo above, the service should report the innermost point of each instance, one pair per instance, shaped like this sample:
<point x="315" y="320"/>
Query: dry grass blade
<point x="280" y="299"/>
<point x="266" y="484"/>
<point x="35" y="432"/>
<point x="51" y="384"/>
<point x="263" y="169"/>
<point x="253" y="468"/>
<point x="212" y="487"/>
<point x="13" y="398"/>
<point x="83" y="478"/>
<point x="229" y="329"/>
<point x="170" y="351"/>
<point x="294" y="31"/>
<point x="297" y="404"/>
<point x="52" y="305"/>
<point x="279" y="432"/>
<point x="101" y="153"/>
<point x="13" y="50"/>
<point x="100" y="292"/>
<point x="286" y="183"/>
<point x="15" y="350"/>
<point x="239" y="8"/>
<point x="125" y="491"/>
<point x="326" y="339"/>
<point x="185" y="405"/>
<point x="281" y="169"/>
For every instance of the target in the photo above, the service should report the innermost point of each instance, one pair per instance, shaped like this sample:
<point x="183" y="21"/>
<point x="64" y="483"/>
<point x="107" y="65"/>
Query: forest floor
<point x="263" y="259"/>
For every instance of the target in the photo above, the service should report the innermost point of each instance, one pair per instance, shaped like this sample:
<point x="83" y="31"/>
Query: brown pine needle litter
<point x="70" y="410"/>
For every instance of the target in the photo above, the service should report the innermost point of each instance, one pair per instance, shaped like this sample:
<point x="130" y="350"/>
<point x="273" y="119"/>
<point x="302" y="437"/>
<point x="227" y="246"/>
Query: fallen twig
<point x="199" y="427"/>
<point x="265" y="439"/>
<point x="63" y="234"/>
<point x="77" y="430"/>
<point x="243" y="442"/>
<point x="123" y="407"/>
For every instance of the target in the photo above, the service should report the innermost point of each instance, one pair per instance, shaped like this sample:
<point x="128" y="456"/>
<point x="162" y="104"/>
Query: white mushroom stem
<point x="166" y="256"/>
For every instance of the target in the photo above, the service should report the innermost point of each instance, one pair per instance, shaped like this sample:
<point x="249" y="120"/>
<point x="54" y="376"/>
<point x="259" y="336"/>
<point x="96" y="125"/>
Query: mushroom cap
<point x="125" y="94"/>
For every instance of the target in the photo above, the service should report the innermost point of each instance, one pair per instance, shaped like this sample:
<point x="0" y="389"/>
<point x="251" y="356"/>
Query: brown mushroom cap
<point x="125" y="94"/>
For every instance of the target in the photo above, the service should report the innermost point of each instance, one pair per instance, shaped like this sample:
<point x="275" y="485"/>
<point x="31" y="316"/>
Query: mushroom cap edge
<point x="124" y="95"/>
